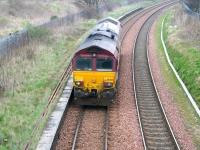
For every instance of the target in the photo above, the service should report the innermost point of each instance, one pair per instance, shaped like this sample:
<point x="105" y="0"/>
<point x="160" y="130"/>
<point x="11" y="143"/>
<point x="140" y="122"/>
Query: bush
<point x="53" y="17"/>
<point x="39" y="33"/>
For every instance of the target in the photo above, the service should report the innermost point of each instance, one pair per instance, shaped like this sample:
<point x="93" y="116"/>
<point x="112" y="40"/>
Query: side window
<point x="104" y="64"/>
<point x="84" y="63"/>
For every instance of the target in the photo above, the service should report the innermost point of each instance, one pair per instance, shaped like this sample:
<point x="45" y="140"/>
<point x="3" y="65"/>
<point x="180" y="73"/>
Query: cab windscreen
<point x="84" y="63"/>
<point x="104" y="64"/>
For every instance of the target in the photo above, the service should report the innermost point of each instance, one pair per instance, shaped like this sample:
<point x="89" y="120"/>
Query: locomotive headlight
<point x="79" y="83"/>
<point x="108" y="84"/>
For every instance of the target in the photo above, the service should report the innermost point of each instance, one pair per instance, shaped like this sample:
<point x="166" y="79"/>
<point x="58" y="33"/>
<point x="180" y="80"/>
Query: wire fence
<point x="189" y="10"/>
<point x="20" y="38"/>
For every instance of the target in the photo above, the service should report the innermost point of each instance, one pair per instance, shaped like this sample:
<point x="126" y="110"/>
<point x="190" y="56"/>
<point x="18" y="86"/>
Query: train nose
<point x="93" y="80"/>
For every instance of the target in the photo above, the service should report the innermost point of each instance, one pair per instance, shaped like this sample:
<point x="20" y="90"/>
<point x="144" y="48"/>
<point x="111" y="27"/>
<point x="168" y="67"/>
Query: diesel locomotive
<point x="95" y="64"/>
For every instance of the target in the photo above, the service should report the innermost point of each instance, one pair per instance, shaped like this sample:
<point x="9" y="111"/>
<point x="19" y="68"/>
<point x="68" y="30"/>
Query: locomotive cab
<point x="94" y="76"/>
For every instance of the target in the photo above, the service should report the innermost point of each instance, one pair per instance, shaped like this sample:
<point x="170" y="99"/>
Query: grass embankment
<point x="190" y="118"/>
<point x="185" y="56"/>
<point x="30" y="75"/>
<point x="15" y="13"/>
<point x="35" y="75"/>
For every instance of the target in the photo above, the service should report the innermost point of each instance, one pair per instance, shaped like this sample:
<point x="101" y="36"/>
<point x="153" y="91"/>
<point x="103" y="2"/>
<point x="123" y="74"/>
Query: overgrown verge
<point x="189" y="116"/>
<point x="182" y="33"/>
<point x="29" y="74"/>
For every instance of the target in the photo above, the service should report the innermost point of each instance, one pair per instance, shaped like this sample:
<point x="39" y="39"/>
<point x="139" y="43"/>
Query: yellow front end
<point x="90" y="81"/>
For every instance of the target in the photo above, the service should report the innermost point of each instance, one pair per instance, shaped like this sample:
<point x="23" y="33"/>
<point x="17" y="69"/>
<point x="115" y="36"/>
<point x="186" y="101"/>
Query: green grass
<point x="186" y="59"/>
<point x="190" y="118"/>
<point x="55" y="7"/>
<point x="19" y="112"/>
<point x="3" y="21"/>
<point x="38" y="33"/>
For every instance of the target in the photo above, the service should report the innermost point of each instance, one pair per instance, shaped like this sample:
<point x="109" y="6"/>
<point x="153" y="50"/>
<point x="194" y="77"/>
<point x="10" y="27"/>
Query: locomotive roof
<point x="104" y="36"/>
<point x="100" y="41"/>
<point x="108" y="24"/>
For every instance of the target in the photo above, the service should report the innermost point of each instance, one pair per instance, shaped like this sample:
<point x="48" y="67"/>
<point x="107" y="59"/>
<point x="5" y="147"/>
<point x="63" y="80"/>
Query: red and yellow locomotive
<point x="95" y="65"/>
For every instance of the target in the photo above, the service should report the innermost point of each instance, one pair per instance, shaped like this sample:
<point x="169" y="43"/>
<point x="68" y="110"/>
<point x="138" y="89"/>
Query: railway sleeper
<point x="143" y="102"/>
<point x="143" y="75"/>
<point x="149" y="126"/>
<point x="159" y="145"/>
<point x="150" y="93"/>
<point x="149" y="107"/>
<point x="152" y="122"/>
<point x="149" y="111"/>
<point x="160" y="142"/>
<point x="156" y="134"/>
<point x="146" y="99"/>
<point x="163" y="148"/>
<point x="152" y="117"/>
<point x="142" y="78"/>
<point x="144" y="93"/>
<point x="161" y="133"/>
<point x="145" y="87"/>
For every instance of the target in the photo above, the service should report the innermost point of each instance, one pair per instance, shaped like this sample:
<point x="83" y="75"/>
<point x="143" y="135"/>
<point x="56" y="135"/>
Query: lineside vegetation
<point x="182" y="33"/>
<point x="189" y="116"/>
<point x="29" y="74"/>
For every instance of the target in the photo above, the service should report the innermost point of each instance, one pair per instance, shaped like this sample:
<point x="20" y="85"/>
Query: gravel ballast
<point x="91" y="134"/>
<point x="167" y="96"/>
<point x="67" y="129"/>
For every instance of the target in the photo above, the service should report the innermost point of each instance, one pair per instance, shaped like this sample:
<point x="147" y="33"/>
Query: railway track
<point x="83" y="126"/>
<point x="102" y="125"/>
<point x="156" y="130"/>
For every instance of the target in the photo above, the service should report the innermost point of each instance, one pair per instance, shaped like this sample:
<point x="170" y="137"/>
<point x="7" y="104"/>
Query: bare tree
<point x="193" y="4"/>
<point x="90" y="3"/>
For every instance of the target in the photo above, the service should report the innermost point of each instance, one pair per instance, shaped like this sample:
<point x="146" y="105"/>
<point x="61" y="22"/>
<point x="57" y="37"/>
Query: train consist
<point x="95" y="64"/>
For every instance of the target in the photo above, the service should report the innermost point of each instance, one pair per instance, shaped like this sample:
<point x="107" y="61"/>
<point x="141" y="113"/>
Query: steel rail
<point x="79" y="124"/>
<point x="145" y="90"/>
<point x="138" y="11"/>
<point x="132" y="19"/>
<point x="106" y="129"/>
<point x="135" y="15"/>
<point x="80" y="120"/>
<point x="163" y="110"/>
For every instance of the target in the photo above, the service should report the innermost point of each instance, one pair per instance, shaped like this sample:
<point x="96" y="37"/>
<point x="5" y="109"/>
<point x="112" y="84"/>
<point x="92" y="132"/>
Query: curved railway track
<point x="155" y="128"/>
